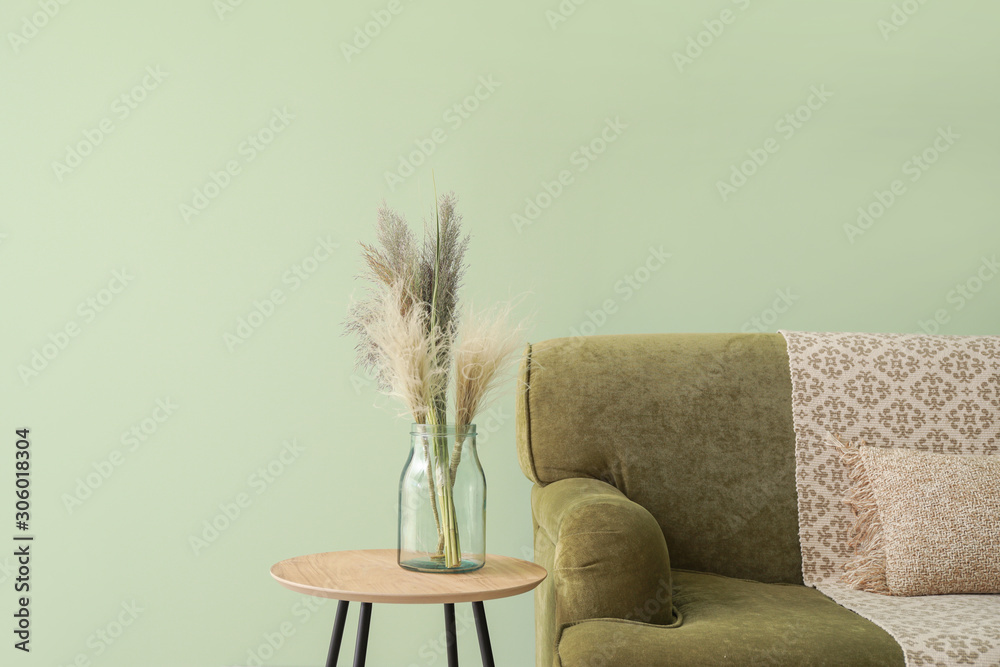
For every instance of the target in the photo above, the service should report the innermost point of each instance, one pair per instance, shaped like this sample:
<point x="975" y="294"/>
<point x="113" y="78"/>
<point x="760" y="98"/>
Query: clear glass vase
<point x="442" y="501"/>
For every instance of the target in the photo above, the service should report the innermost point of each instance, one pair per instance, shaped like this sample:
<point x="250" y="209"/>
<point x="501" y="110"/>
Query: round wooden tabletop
<point x="372" y="575"/>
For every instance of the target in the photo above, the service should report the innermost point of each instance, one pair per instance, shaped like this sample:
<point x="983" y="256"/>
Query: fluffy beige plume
<point x="485" y="352"/>
<point x="487" y="343"/>
<point x="406" y="350"/>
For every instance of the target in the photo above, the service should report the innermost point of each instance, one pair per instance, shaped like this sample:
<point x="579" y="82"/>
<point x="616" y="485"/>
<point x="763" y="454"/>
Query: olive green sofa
<point x="664" y="507"/>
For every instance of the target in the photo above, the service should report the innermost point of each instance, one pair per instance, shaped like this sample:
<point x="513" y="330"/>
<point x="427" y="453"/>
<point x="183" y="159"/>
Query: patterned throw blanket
<point x="934" y="393"/>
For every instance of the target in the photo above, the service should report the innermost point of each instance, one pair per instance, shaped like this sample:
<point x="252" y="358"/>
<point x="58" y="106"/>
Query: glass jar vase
<point x="442" y="501"/>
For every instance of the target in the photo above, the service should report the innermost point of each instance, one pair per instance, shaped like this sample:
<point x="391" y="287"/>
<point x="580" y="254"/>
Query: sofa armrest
<point x="610" y="558"/>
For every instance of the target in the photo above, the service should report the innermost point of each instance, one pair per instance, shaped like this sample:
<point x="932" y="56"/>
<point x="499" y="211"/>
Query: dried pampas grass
<point x="487" y="342"/>
<point x="410" y="337"/>
<point x="405" y="351"/>
<point x="408" y="329"/>
<point x="406" y="323"/>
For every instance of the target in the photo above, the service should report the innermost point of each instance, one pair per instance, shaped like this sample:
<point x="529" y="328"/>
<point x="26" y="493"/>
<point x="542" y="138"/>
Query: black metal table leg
<point x="485" y="647"/>
<point x="338" y="634"/>
<point x="361" y="647"/>
<point x="450" y="636"/>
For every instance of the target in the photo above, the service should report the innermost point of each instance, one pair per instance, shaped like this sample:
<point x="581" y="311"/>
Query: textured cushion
<point x="727" y="621"/>
<point x="927" y="523"/>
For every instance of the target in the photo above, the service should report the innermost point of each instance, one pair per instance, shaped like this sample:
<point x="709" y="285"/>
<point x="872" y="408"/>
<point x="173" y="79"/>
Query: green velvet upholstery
<point x="598" y="529"/>
<point x="672" y="450"/>
<point x="728" y="621"/>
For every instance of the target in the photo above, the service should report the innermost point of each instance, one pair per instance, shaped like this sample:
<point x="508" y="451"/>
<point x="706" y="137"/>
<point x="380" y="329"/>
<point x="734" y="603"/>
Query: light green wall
<point x="656" y="186"/>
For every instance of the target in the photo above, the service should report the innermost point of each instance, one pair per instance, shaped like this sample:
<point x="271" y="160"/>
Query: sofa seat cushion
<point x="728" y="621"/>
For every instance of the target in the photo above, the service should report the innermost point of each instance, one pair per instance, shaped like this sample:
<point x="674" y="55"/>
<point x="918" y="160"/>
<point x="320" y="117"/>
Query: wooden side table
<point x="373" y="575"/>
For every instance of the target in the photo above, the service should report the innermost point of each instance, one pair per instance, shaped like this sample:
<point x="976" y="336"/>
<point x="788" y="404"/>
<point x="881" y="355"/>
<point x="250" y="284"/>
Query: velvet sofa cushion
<point x="696" y="428"/>
<point x="726" y="621"/>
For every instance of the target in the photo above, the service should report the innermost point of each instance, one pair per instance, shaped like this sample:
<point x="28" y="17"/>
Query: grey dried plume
<point x="444" y="247"/>
<point x="391" y="271"/>
<point x="442" y="267"/>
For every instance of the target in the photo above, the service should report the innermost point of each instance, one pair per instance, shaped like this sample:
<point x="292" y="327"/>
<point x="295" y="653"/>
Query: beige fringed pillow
<point x="925" y="524"/>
